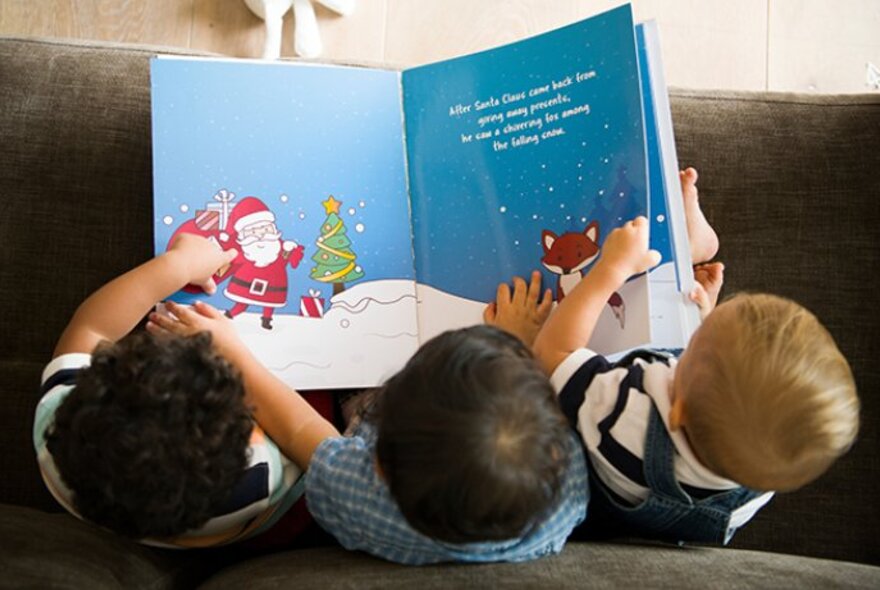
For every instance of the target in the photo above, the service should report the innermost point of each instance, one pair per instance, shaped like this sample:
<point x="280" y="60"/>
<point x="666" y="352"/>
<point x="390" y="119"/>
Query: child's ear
<point x="676" y="414"/>
<point x="378" y="467"/>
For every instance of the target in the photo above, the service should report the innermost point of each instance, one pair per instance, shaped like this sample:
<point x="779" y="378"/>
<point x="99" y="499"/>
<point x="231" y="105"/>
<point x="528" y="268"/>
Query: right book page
<point x="525" y="157"/>
<point x="673" y="316"/>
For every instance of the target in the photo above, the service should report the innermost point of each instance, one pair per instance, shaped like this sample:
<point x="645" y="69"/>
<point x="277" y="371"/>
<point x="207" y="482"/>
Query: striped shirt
<point x="351" y="501"/>
<point x="613" y="419"/>
<point x="270" y="486"/>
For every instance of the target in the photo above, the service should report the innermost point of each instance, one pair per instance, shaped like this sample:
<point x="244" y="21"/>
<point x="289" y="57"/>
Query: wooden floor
<point x="787" y="45"/>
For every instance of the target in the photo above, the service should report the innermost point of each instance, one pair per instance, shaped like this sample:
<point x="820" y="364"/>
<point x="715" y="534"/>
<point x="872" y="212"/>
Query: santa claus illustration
<point x="259" y="273"/>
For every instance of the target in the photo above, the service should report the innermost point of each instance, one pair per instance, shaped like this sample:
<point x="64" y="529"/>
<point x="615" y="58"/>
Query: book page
<point x="301" y="170"/>
<point x="526" y="157"/>
<point x="673" y="316"/>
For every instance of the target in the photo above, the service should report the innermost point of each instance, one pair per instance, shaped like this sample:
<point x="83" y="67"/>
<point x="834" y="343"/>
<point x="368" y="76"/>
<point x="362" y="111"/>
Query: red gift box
<point x="207" y="220"/>
<point x="312" y="305"/>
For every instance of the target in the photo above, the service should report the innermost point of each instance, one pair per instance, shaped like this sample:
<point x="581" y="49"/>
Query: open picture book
<point x="372" y="209"/>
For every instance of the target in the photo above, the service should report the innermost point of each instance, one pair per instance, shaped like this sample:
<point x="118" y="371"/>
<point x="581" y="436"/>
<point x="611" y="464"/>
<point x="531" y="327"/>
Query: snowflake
<point x="167" y="220"/>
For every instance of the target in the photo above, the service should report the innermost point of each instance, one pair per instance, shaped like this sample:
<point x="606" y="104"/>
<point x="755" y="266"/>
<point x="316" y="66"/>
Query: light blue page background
<point x="478" y="213"/>
<point x="291" y="135"/>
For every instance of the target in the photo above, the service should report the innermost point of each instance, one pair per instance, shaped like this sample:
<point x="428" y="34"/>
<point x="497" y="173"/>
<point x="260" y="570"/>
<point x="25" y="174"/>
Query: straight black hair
<point x="470" y="438"/>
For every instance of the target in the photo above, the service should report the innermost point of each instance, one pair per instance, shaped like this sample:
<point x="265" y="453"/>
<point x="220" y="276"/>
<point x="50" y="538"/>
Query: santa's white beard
<point x="262" y="253"/>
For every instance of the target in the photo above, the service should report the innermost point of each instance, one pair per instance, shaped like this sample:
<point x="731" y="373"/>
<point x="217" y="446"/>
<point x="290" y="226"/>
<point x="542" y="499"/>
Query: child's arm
<point x="624" y="253"/>
<point x="295" y="426"/>
<point x="113" y="310"/>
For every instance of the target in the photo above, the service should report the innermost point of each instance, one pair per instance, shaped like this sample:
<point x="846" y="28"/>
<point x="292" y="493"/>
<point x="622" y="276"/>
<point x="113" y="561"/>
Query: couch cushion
<point x="40" y="550"/>
<point x="75" y="210"/>
<point x="581" y="565"/>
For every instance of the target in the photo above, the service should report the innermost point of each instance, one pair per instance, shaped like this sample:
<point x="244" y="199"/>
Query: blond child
<point x="761" y="400"/>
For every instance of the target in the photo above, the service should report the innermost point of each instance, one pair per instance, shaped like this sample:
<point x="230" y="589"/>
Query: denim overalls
<point x="668" y="513"/>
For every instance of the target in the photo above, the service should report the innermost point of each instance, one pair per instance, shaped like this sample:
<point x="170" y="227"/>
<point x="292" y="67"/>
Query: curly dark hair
<point x="154" y="435"/>
<point x="470" y="437"/>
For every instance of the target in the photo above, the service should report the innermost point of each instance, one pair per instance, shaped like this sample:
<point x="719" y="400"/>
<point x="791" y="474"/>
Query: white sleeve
<point x="569" y="367"/>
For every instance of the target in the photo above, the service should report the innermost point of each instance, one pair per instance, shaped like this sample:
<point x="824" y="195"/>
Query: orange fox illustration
<point x="567" y="255"/>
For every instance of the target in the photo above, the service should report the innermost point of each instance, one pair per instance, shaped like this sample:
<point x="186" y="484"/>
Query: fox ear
<point x="547" y="239"/>
<point x="592" y="231"/>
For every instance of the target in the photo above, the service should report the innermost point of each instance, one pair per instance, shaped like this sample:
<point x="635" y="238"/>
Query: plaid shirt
<point x="349" y="500"/>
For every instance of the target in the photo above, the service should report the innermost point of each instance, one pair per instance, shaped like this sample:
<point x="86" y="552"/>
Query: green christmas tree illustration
<point x="334" y="260"/>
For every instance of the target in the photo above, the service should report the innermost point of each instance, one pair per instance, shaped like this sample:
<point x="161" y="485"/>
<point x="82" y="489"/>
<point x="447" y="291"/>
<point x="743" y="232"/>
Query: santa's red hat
<point x="249" y="211"/>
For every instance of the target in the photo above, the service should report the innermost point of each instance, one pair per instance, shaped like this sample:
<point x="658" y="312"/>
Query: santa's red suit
<point x="265" y="286"/>
<point x="256" y="238"/>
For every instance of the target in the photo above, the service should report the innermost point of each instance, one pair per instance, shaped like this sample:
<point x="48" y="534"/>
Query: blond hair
<point x="768" y="399"/>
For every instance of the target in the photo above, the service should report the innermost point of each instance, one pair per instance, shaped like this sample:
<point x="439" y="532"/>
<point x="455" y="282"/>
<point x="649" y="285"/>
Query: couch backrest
<point x="791" y="182"/>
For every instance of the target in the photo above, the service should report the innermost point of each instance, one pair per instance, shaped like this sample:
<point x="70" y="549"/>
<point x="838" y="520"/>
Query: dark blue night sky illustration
<point x="478" y="213"/>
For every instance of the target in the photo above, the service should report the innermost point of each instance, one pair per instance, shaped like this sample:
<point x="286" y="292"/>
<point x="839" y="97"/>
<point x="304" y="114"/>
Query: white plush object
<point x="306" y="39"/>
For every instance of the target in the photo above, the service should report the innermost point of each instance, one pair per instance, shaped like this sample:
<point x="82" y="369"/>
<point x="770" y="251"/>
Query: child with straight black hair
<point x="464" y="456"/>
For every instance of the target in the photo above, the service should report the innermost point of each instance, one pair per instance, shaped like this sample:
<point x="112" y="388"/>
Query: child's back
<point x="149" y="435"/>
<point x="762" y="400"/>
<point x="464" y="457"/>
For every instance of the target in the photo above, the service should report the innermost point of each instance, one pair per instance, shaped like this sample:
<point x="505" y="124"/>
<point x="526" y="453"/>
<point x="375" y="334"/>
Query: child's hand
<point x="625" y="251"/>
<point x="710" y="278"/>
<point x="200" y="259"/>
<point x="521" y="314"/>
<point x="201" y="317"/>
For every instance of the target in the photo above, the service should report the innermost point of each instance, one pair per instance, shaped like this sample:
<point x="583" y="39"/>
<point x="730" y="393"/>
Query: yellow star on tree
<point x="331" y="205"/>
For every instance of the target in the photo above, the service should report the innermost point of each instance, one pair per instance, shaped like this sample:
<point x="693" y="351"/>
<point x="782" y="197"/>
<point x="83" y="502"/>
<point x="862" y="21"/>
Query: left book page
<point x="301" y="170"/>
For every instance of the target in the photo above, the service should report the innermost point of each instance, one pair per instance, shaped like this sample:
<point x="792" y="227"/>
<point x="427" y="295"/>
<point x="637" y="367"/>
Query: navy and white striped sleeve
<point x="572" y="378"/>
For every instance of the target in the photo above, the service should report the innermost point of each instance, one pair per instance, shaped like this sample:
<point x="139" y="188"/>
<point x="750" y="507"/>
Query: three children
<point x="466" y="455"/>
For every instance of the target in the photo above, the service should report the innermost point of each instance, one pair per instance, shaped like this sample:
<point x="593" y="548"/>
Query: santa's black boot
<point x="266" y="323"/>
<point x="227" y="314"/>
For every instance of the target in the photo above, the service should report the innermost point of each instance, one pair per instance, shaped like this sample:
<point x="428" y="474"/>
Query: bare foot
<point x="703" y="239"/>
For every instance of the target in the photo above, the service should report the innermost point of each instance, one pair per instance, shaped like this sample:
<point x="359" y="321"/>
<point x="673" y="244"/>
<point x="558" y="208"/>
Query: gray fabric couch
<point x="791" y="182"/>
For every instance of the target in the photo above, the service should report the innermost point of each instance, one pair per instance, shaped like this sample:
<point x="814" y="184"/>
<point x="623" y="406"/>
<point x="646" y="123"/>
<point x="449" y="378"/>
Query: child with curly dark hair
<point x="149" y="435"/>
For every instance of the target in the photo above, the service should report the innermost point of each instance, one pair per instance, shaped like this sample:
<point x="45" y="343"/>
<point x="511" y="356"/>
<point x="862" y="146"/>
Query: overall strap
<point x="659" y="466"/>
